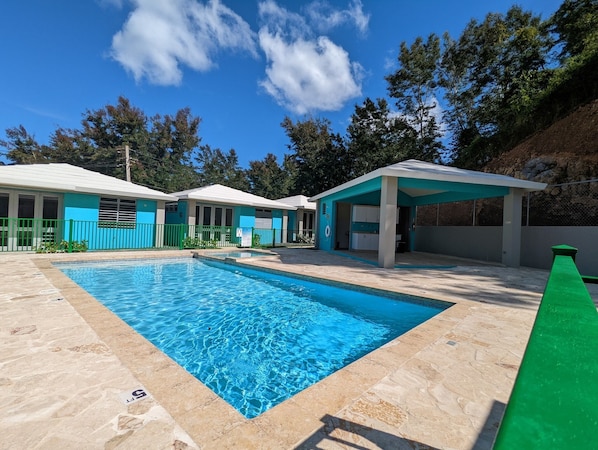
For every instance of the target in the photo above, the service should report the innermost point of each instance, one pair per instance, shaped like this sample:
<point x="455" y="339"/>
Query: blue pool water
<point x="238" y="254"/>
<point x="255" y="338"/>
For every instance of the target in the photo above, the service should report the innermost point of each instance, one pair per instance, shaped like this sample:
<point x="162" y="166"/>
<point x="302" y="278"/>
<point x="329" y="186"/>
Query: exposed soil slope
<point x="565" y="156"/>
<point x="567" y="151"/>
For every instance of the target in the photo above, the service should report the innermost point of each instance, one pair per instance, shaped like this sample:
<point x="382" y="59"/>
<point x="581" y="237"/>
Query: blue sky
<point x="240" y="65"/>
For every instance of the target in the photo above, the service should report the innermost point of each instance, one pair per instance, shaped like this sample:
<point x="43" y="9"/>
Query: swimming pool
<point x="255" y="338"/>
<point x="238" y="254"/>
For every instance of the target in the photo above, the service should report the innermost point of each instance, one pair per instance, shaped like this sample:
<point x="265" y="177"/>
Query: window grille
<point x="117" y="213"/>
<point x="263" y="218"/>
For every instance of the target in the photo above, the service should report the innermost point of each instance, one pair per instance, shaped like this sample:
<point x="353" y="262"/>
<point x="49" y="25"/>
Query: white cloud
<point x="280" y="20"/>
<point x="160" y="36"/>
<point x="356" y="13"/>
<point x="325" y="17"/>
<point x="390" y="62"/>
<point x="304" y="74"/>
<point x="44" y="113"/>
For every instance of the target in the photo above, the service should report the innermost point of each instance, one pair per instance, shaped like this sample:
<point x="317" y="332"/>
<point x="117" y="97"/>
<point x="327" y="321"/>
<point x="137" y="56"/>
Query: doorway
<point x="342" y="226"/>
<point x="403" y="228"/>
<point x="215" y="222"/>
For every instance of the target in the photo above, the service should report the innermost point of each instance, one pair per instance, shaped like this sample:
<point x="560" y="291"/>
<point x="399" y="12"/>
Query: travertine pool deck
<point x="65" y="362"/>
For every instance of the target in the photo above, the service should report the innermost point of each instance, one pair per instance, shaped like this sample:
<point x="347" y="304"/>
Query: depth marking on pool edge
<point x="134" y="395"/>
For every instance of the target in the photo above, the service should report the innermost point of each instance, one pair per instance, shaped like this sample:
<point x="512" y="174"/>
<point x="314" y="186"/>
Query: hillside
<point x="565" y="156"/>
<point x="567" y="151"/>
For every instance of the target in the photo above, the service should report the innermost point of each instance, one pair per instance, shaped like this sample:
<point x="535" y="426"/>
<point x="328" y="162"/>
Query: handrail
<point x="554" y="402"/>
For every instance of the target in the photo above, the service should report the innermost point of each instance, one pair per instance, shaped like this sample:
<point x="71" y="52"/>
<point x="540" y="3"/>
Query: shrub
<point x="191" y="242"/>
<point x="61" y="247"/>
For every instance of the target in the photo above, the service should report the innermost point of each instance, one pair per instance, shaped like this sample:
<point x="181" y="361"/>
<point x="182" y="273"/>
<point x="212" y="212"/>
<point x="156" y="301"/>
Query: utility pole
<point x="127" y="163"/>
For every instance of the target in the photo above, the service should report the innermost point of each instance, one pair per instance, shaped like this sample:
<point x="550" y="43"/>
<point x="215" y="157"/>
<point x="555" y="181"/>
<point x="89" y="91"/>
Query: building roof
<point x="216" y="193"/>
<point x="67" y="178"/>
<point x="298" y="201"/>
<point x="420" y="170"/>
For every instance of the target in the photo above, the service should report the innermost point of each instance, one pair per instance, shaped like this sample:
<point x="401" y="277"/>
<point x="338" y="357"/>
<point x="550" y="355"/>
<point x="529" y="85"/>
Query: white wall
<point x="482" y="243"/>
<point x="536" y="243"/>
<point x="485" y="244"/>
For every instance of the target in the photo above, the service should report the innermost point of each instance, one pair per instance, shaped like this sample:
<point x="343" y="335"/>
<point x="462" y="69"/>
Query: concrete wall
<point x="537" y="241"/>
<point x="485" y="244"/>
<point x="482" y="243"/>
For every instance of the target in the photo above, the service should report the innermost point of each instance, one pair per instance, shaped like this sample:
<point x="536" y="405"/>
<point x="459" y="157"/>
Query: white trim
<point x="60" y="178"/>
<point x="217" y="193"/>
<point x="435" y="172"/>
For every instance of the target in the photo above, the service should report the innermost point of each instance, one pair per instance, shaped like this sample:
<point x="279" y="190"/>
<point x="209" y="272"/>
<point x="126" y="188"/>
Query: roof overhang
<point x="67" y="178"/>
<point x="218" y="194"/>
<point x="425" y="183"/>
<point x="298" y="201"/>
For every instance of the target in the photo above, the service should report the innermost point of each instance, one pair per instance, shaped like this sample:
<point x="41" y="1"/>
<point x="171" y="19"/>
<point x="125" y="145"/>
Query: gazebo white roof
<point x="298" y="201"/>
<point x="421" y="170"/>
<point x="60" y="177"/>
<point x="217" y="193"/>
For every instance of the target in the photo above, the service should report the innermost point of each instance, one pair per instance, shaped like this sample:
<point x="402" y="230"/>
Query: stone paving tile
<point x="64" y="360"/>
<point x="59" y="382"/>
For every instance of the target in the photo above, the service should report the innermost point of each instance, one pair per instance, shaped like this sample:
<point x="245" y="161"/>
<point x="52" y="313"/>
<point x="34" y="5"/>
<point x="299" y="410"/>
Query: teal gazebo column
<point x="388" y="220"/>
<point x="511" y="228"/>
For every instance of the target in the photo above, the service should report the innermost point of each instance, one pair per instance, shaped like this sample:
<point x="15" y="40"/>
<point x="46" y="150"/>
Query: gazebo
<point x="378" y="208"/>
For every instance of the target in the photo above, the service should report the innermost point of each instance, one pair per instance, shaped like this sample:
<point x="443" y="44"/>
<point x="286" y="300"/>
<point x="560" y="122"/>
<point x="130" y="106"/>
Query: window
<point x="3" y="220"/>
<point x="221" y="214"/>
<point x="207" y="216"/>
<point x="117" y="213"/>
<point x="26" y="206"/>
<point x="49" y="212"/>
<point x="323" y="208"/>
<point x="263" y="219"/>
<point x="3" y="205"/>
<point x="172" y="207"/>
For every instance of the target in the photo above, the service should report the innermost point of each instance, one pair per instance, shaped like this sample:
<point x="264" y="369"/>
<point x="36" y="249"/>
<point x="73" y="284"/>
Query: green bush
<point x="61" y="247"/>
<point x="190" y="242"/>
<point x="78" y="246"/>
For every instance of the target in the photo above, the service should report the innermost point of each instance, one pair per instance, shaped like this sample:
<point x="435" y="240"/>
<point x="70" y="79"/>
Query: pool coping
<point x="442" y="385"/>
<point x="207" y="418"/>
<point x="410" y="298"/>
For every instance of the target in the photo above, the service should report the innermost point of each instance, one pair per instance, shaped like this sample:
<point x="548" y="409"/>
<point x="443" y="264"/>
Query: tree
<point x="267" y="179"/>
<point x="576" y="25"/>
<point x="160" y="148"/>
<point x="218" y="167"/>
<point x="519" y="69"/>
<point x="108" y="130"/>
<point x="492" y="76"/>
<point x="575" y="29"/>
<point x="455" y="74"/>
<point x="22" y="147"/>
<point x="168" y="158"/>
<point x="413" y="86"/>
<point x="377" y="138"/>
<point x="319" y="157"/>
